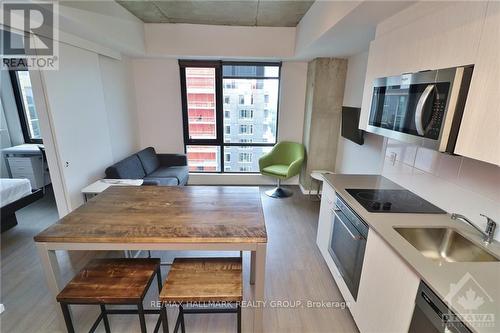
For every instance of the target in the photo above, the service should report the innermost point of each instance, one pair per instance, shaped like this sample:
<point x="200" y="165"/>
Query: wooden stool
<point x="112" y="281"/>
<point x="203" y="280"/>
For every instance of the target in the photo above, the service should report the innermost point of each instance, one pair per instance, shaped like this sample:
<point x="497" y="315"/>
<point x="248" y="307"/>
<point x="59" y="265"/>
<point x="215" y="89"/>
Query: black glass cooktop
<point x="393" y="201"/>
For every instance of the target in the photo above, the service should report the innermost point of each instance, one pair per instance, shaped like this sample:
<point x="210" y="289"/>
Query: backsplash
<point x="454" y="183"/>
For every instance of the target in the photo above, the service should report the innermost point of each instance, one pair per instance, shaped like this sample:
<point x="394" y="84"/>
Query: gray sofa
<point x="155" y="169"/>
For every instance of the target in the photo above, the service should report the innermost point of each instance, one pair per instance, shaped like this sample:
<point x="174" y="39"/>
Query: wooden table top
<point x="157" y="214"/>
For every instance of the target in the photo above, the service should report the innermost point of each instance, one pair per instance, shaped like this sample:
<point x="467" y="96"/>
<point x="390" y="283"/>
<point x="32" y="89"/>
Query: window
<point x="245" y="157"/>
<point x="246" y="129"/>
<point x="221" y="136"/>
<point x="28" y="116"/>
<point x="246" y="114"/>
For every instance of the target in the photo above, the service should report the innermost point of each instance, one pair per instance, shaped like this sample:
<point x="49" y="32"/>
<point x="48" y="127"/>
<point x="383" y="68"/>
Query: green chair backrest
<point x="285" y="152"/>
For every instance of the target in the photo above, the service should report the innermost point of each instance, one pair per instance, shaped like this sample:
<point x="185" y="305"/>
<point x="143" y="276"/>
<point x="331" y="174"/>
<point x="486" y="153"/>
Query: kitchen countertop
<point x="439" y="276"/>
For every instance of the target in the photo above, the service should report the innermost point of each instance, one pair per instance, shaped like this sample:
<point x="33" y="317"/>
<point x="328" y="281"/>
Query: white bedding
<point x="13" y="189"/>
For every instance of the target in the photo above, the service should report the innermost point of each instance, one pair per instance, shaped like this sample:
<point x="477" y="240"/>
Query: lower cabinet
<point x="387" y="290"/>
<point x="388" y="286"/>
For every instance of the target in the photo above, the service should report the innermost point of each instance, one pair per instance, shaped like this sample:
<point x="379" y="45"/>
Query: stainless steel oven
<point x="347" y="244"/>
<point x="424" y="107"/>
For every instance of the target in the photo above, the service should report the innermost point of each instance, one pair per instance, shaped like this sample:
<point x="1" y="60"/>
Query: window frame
<point x="21" y="111"/>
<point x="219" y="107"/>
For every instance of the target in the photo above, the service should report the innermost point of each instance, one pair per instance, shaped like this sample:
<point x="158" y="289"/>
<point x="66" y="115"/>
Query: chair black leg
<point x="239" y="318"/>
<point x="105" y="318"/>
<point x="142" y="319"/>
<point x="67" y="318"/>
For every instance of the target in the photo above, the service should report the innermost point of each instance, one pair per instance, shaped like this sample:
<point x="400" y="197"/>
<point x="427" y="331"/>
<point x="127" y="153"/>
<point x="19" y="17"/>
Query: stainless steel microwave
<point x="424" y="108"/>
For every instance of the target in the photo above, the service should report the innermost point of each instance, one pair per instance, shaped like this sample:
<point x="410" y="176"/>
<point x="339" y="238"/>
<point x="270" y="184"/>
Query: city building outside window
<point x="246" y="114"/>
<point x="245" y="157"/>
<point x="208" y="88"/>
<point x="28" y="116"/>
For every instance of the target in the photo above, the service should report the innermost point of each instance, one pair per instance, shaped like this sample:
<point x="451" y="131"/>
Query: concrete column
<point x="324" y="96"/>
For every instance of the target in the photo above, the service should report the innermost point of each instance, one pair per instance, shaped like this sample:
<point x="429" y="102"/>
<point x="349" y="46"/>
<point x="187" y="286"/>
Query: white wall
<point x="10" y="109"/>
<point x="205" y="41"/>
<point x="454" y="183"/>
<point x="159" y="110"/>
<point x="119" y="98"/>
<point x="351" y="157"/>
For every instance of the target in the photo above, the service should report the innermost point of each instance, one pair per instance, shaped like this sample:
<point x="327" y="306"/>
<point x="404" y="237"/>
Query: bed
<point x="14" y="195"/>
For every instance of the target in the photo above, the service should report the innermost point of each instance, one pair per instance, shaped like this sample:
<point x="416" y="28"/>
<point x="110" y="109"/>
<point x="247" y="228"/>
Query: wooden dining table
<point x="208" y="218"/>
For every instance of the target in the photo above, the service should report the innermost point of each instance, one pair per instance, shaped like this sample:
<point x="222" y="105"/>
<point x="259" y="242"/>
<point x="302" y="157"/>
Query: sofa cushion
<point x="181" y="173"/>
<point x="149" y="160"/>
<point x="129" y="168"/>
<point x="165" y="181"/>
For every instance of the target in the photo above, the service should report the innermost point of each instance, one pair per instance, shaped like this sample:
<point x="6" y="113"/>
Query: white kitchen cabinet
<point x="325" y="217"/>
<point x="387" y="290"/>
<point x="479" y="135"/>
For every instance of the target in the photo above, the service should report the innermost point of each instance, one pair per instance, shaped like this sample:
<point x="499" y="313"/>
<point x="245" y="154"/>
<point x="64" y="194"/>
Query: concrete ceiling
<point x="269" y="13"/>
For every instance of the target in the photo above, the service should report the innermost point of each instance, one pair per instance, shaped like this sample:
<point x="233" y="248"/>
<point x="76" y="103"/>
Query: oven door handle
<point x="353" y="236"/>
<point x="419" y="111"/>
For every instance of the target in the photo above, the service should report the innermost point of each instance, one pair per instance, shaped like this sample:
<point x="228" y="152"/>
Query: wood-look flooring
<point x="295" y="271"/>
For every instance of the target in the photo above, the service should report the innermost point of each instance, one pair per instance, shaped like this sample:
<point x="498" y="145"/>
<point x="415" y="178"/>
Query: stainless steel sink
<point x="445" y="244"/>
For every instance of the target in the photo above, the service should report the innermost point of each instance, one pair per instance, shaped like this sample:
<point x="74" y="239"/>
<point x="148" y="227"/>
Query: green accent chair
<point x="282" y="162"/>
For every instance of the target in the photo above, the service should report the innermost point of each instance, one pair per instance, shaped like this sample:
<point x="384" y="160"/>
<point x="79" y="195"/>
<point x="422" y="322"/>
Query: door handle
<point x="353" y="236"/>
<point x="419" y="111"/>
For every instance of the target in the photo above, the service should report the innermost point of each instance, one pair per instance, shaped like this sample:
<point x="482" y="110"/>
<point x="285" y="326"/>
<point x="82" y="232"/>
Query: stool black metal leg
<point x="142" y="320"/>
<point x="105" y="319"/>
<point x="239" y="318"/>
<point x="183" y="328"/>
<point x="67" y="318"/>
<point x="164" y="319"/>
<point x="158" y="275"/>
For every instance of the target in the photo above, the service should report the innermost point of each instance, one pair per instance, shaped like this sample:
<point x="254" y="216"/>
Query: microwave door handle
<point x="419" y="112"/>
<point x="353" y="236"/>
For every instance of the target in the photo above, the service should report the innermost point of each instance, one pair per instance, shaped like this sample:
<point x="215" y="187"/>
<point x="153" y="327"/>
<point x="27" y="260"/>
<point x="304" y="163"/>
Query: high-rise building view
<point x="26" y="93"/>
<point x="249" y="120"/>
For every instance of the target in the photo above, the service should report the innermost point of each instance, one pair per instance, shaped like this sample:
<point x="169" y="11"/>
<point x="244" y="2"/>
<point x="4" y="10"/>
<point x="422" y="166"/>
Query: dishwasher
<point x="431" y="315"/>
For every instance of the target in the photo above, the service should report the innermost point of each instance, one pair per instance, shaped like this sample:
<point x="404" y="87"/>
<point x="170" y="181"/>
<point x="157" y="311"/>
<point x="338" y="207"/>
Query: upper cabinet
<point x="479" y="135"/>
<point x="433" y="35"/>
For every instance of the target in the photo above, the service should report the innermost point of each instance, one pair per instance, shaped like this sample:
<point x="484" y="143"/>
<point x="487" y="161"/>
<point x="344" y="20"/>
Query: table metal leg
<point x="252" y="267"/>
<point x="52" y="273"/>
<point x="260" y="271"/>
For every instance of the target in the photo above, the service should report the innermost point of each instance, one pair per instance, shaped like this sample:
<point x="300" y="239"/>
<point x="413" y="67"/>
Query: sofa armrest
<point x="172" y="159"/>
<point x="149" y="182"/>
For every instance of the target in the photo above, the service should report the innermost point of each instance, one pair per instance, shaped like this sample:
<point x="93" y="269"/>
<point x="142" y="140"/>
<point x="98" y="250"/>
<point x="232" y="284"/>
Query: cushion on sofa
<point x="166" y="181"/>
<point x="181" y="173"/>
<point x="149" y="160"/>
<point x="129" y="168"/>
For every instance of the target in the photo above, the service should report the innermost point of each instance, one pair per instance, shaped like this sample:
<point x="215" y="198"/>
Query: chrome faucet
<point x="490" y="226"/>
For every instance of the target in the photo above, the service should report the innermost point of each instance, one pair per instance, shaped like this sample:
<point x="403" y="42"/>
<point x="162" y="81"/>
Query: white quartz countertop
<point x="480" y="281"/>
